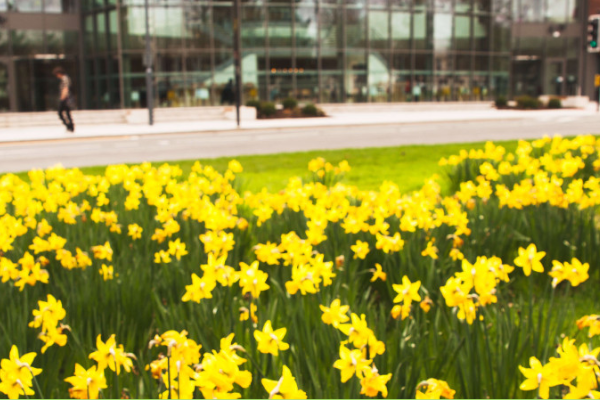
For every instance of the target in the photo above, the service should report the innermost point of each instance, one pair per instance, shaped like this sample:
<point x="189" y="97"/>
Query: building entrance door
<point x="555" y="77"/>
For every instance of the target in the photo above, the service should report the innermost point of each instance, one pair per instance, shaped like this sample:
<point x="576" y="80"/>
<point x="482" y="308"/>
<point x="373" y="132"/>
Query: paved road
<point x="18" y="157"/>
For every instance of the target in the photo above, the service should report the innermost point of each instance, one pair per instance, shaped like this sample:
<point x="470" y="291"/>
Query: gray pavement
<point x="79" y="152"/>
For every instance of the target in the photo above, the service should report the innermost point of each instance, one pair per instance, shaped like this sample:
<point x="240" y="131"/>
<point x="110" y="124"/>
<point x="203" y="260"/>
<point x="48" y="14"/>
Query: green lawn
<point x="407" y="166"/>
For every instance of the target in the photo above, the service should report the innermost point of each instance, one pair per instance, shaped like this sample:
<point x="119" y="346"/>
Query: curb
<point x="242" y="129"/>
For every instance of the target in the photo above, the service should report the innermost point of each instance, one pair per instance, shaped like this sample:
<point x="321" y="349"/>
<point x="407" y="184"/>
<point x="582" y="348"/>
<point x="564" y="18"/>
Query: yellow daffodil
<point x="271" y="341"/>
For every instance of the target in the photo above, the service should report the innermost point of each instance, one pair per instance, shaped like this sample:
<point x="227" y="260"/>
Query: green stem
<point x="37" y="385"/>
<point x="169" y="373"/>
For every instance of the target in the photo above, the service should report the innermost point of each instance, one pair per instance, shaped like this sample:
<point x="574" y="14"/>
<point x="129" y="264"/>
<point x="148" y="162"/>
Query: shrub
<point x="267" y="109"/>
<point x="290" y="103"/>
<point x="253" y="103"/>
<point x="310" y="110"/>
<point x="528" y="103"/>
<point x="501" y="102"/>
<point x="554" y="103"/>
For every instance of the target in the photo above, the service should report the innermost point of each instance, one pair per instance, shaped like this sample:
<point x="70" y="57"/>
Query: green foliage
<point x="528" y="103"/>
<point x="290" y="103"/>
<point x="310" y="110"/>
<point x="501" y="102"/>
<point x="554" y="103"/>
<point x="253" y="103"/>
<point x="267" y="109"/>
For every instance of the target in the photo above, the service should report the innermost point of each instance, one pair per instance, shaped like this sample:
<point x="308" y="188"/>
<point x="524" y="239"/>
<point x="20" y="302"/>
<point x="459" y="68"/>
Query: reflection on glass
<point x="306" y="26"/>
<point x="167" y="25"/>
<point x="28" y="5"/>
<point x="331" y="28"/>
<point x="482" y="6"/>
<point x="307" y="87"/>
<point x="379" y="29"/>
<point x="280" y="26"/>
<point x="3" y="41"/>
<point x="442" y="32"/>
<point x="557" y="10"/>
<point x="401" y="30"/>
<point x="379" y="76"/>
<point x="355" y="27"/>
<point x="27" y="42"/>
<point x="462" y="6"/>
<point x="481" y="33"/>
<point x="133" y="28"/>
<point x="101" y="38"/>
<point x="462" y="32"/>
<point x="61" y="42"/>
<point x="529" y="11"/>
<point x="197" y="26"/>
<point x="254" y="27"/>
<point x="463" y="63"/>
<point x="482" y="63"/>
<point x="420" y="31"/>
<point x="501" y="28"/>
<point x="442" y="5"/>
<point x="222" y="27"/>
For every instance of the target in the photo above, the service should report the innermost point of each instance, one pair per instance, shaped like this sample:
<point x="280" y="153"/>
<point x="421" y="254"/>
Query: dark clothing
<point x="228" y="95"/>
<point x="64" y="113"/>
<point x="64" y="107"/>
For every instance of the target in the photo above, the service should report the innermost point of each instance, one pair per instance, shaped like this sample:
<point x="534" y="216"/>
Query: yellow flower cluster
<point x="434" y="389"/>
<point x="181" y="371"/>
<point x="483" y="276"/>
<point x="48" y="317"/>
<point x="17" y="374"/>
<point x="576" y="368"/>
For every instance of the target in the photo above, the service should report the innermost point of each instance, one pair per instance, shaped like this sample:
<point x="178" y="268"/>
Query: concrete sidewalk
<point x="335" y="119"/>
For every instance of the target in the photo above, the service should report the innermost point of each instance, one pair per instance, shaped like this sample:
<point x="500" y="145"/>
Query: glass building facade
<point x="323" y="51"/>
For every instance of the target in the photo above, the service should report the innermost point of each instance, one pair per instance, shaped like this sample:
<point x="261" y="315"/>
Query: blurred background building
<point x="324" y="51"/>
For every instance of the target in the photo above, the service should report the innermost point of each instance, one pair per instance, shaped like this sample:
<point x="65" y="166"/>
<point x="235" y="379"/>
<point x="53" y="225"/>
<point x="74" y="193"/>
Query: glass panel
<point x="253" y="72"/>
<point x="332" y="60"/>
<point x="101" y="32"/>
<point x="527" y="77"/>
<point x="307" y="87"/>
<point x="401" y="63"/>
<point x="420" y="31"/>
<point x="62" y="42"/>
<point x="572" y="48"/>
<point x="482" y="63"/>
<point x="401" y="88"/>
<point x="355" y="27"/>
<point x="501" y="33"/>
<point x="170" y="92"/>
<point x="462" y="6"/>
<point x="379" y="76"/>
<point x="281" y="87"/>
<point x="198" y="63"/>
<point x="557" y="10"/>
<point x="400" y="4"/>
<point x="53" y="6"/>
<point x="306" y="26"/>
<point x="501" y="64"/>
<point x="571" y="81"/>
<point x="133" y="28"/>
<point x="222" y="27"/>
<point x="27" y="42"/>
<point x="480" y="88"/>
<point x="4" y="101"/>
<point x="442" y="29"/>
<point x="254" y="27"/>
<point x="3" y="41"/>
<point x="113" y="29"/>
<point x="462" y="32"/>
<point x="482" y="6"/>
<point x="306" y="60"/>
<point x="502" y="7"/>
<point x="331" y="88"/>
<point x="167" y="27"/>
<point x="530" y="11"/>
<point x="555" y="47"/>
<point x="331" y="28"/>
<point x="377" y="4"/>
<point x="197" y="27"/>
<point x="463" y="63"/>
<point x="481" y="33"/>
<point x="554" y="78"/>
<point x="401" y="30"/>
<point x="5" y="5"/>
<point x="280" y="26"/>
<point x="529" y="46"/>
<point x="28" y="5"/>
<point x="572" y="11"/>
<point x="379" y="29"/>
<point x="442" y="5"/>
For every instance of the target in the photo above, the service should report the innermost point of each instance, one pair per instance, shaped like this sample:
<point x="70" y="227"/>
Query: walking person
<point x="64" y="106"/>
